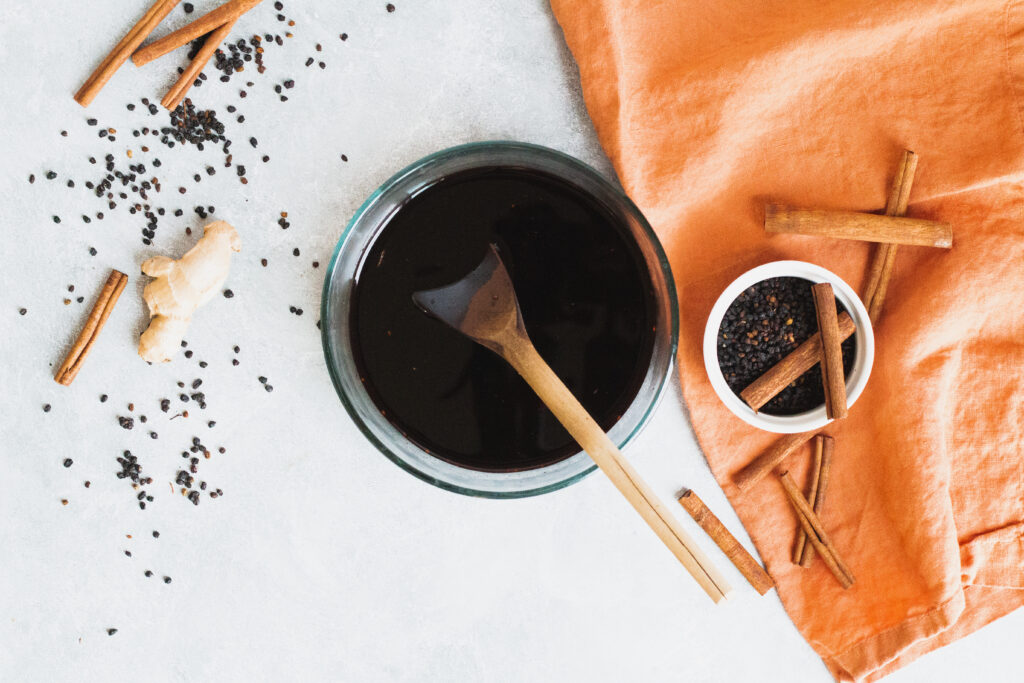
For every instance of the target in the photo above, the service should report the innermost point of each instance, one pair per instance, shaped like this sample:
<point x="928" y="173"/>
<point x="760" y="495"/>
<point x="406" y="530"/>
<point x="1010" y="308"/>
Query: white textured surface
<point x="323" y="561"/>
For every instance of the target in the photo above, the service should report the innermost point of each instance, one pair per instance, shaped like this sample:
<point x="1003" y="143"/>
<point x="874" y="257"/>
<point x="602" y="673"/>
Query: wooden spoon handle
<point x="578" y="422"/>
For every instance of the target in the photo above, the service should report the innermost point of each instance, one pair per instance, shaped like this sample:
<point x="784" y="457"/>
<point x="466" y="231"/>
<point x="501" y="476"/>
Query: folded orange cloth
<point x="709" y="110"/>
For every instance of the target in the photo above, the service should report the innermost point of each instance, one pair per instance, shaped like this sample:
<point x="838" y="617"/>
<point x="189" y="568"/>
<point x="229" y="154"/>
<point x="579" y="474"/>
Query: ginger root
<point x="181" y="287"/>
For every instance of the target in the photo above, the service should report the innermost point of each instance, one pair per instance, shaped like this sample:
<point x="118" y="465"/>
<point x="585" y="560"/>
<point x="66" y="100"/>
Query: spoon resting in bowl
<point x="483" y="306"/>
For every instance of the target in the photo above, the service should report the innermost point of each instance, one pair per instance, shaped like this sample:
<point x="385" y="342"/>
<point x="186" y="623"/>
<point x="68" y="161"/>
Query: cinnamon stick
<point x="177" y="92"/>
<point x="827" y="448"/>
<point x="123" y="50"/>
<point x="786" y="371"/>
<point x="832" y="377"/>
<point x="888" y="258"/>
<point x="851" y="225"/>
<point x="228" y="12"/>
<point x="87" y="337"/>
<point x="816" y="533"/>
<point x="764" y="463"/>
<point x="874" y="275"/>
<point x="896" y="205"/>
<point x="812" y="495"/>
<point x="737" y="554"/>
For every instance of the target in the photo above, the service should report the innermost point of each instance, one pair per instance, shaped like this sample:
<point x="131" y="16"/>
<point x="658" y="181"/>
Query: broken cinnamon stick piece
<point x="851" y="225"/>
<point x="827" y="448"/>
<point x="177" y="92"/>
<point x="210" y="21"/>
<point x="750" y="568"/>
<point x="812" y="497"/>
<point x="896" y="205"/>
<point x="832" y="377"/>
<point x="123" y="50"/>
<point x="87" y="337"/>
<point x="816" y="533"/>
<point x="766" y="462"/>
<point x="789" y="369"/>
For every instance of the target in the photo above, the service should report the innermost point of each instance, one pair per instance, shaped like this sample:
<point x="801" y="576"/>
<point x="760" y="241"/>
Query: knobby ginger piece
<point x="181" y="287"/>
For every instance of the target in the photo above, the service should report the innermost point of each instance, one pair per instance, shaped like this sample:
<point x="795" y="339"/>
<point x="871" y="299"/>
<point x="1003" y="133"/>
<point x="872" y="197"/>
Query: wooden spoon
<point x="483" y="306"/>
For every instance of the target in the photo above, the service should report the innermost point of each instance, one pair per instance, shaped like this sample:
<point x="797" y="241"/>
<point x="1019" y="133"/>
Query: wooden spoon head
<point x="482" y="305"/>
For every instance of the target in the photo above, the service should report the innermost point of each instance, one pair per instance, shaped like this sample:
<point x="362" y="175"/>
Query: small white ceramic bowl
<point x="856" y="379"/>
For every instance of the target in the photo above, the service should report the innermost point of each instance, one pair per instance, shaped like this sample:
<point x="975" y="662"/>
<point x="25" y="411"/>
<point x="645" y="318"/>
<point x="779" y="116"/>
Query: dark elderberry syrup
<point x="584" y="289"/>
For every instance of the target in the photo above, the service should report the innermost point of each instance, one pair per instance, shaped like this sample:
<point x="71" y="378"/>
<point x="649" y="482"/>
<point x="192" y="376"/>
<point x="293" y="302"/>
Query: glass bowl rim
<point x="465" y="149"/>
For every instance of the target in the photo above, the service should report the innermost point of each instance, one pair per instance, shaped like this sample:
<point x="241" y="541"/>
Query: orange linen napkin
<point x="711" y="109"/>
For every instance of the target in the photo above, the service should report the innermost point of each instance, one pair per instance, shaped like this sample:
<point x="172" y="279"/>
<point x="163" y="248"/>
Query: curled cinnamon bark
<point x="832" y="377"/>
<point x="87" y="337"/>
<point x="851" y="225"/>
<point x="123" y="50"/>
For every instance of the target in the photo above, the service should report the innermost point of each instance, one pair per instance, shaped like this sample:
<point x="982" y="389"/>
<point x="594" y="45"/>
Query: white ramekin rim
<point x="856" y="380"/>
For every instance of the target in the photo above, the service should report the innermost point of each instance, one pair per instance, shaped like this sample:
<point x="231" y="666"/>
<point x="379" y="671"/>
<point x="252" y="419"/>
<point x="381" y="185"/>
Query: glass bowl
<point x="346" y="262"/>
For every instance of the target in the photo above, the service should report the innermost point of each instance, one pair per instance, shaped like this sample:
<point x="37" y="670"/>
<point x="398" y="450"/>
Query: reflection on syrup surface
<point x="585" y="294"/>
